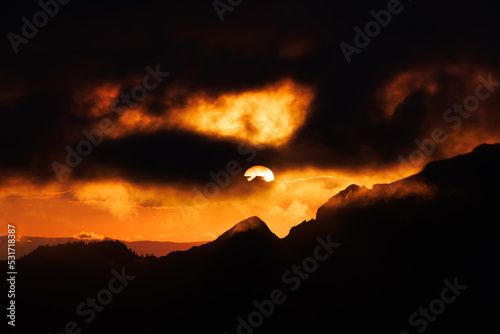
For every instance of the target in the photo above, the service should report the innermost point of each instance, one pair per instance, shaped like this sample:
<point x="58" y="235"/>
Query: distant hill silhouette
<point x="399" y="242"/>
<point x="157" y="248"/>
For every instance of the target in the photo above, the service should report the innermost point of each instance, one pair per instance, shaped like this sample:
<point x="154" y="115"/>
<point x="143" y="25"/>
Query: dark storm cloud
<point x="260" y="42"/>
<point x="425" y="35"/>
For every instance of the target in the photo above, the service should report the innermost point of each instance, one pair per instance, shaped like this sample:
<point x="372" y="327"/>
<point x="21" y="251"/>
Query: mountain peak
<point x="350" y="190"/>
<point x="253" y="224"/>
<point x="346" y="194"/>
<point x="343" y="197"/>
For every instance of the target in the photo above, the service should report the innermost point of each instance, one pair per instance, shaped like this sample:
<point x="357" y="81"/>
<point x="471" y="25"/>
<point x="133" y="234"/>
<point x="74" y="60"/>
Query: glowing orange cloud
<point x="97" y="101"/>
<point x="267" y="116"/>
<point x="138" y="120"/>
<point x="113" y="197"/>
<point x="461" y="135"/>
<point x="402" y="85"/>
<point x="422" y="79"/>
<point x="88" y="236"/>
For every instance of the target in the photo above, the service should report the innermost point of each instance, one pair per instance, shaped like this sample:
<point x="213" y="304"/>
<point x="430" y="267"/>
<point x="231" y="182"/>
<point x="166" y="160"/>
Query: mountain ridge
<point x="398" y="241"/>
<point x="28" y="244"/>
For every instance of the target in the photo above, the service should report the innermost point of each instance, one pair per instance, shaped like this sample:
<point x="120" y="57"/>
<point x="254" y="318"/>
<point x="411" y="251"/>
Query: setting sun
<point x="259" y="171"/>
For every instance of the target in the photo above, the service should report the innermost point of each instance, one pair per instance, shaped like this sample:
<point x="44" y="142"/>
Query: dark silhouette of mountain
<point x="253" y="226"/>
<point x="156" y="248"/>
<point x="399" y="244"/>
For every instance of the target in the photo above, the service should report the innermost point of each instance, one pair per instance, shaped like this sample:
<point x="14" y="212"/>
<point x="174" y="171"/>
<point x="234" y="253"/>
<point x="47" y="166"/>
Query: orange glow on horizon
<point x="122" y="210"/>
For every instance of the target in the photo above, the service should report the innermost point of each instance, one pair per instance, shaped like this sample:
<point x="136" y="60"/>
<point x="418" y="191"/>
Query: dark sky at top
<point x="88" y="43"/>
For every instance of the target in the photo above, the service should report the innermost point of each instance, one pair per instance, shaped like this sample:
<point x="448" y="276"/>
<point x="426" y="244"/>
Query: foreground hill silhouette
<point x="398" y="243"/>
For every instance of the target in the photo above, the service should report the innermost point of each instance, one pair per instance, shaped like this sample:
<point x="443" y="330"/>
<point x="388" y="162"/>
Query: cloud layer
<point x="145" y="106"/>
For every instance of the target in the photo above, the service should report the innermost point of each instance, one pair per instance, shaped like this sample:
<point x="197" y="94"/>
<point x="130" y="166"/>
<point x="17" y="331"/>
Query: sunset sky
<point x="168" y="107"/>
